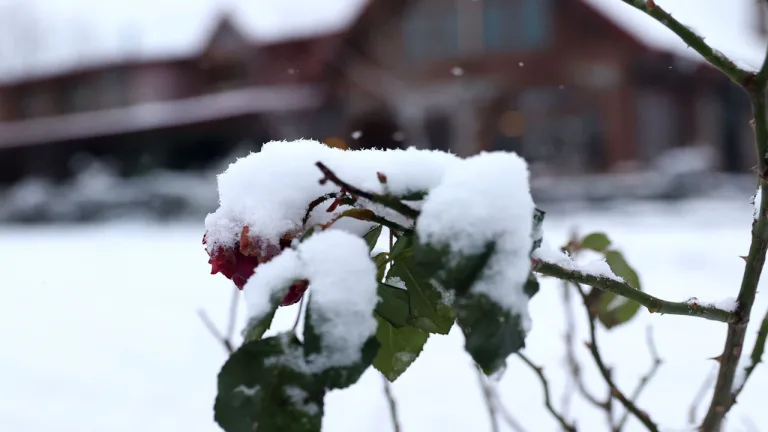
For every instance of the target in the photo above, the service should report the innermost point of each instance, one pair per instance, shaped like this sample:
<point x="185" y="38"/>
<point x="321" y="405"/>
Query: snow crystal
<point x="269" y="191"/>
<point x="269" y="278"/>
<point x="343" y="293"/>
<point x="457" y="71"/>
<point x="756" y="201"/>
<point x="343" y="296"/>
<point x="396" y="282"/>
<point x="357" y="134"/>
<point x="599" y="268"/>
<point x="484" y="199"/>
<point x="299" y="399"/>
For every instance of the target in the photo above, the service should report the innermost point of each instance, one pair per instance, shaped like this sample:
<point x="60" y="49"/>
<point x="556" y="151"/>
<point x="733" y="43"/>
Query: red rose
<point x="239" y="262"/>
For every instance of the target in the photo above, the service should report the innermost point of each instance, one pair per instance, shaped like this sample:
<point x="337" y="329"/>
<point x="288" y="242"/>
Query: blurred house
<point x="576" y="86"/>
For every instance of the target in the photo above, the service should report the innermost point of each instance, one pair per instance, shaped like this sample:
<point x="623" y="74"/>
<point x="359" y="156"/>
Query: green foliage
<point x="430" y="309"/>
<point x="373" y="237"/>
<point x="612" y="310"/>
<point x="259" y="388"/>
<point x="596" y="241"/>
<point x="399" y="348"/>
<point x="276" y="384"/>
<point x="337" y="377"/>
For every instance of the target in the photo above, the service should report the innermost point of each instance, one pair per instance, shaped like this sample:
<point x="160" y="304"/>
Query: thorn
<point x="651" y="4"/>
<point x="381" y="176"/>
<point x="718" y="359"/>
<point x="744" y="257"/>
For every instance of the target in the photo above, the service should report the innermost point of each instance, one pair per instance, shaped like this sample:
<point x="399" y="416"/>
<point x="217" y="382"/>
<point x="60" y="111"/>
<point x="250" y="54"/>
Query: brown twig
<point x="215" y="332"/>
<point x="316" y="202"/>
<point x="392" y="404"/>
<point x="547" y="399"/>
<point x="388" y="201"/>
<point x="606" y="373"/>
<point x="655" y="364"/>
<point x="705" y="386"/>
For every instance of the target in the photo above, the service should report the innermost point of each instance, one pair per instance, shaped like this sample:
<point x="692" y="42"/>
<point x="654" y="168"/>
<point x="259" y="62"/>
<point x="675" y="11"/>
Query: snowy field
<point x="99" y="331"/>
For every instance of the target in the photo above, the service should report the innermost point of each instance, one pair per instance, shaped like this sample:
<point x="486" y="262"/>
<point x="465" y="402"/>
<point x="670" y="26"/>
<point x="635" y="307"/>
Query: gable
<point x="226" y="41"/>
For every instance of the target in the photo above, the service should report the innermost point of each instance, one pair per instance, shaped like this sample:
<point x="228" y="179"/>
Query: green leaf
<point x="613" y="310"/>
<point x="531" y="286"/>
<point x="381" y="261"/>
<point x="538" y="236"/>
<point x="335" y="377"/>
<point x="621" y="268"/>
<point x="259" y="390"/>
<point x="393" y="305"/>
<point x="399" y="348"/>
<point x="596" y="241"/>
<point x="402" y="247"/>
<point x="430" y="308"/>
<point x="373" y="237"/>
<point x="491" y="333"/>
<point x="257" y="326"/>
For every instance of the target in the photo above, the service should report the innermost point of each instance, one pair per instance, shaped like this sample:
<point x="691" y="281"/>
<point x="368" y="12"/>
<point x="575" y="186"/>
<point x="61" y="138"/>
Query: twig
<point x="215" y="332"/>
<point x="488" y="398"/>
<point x="388" y="201"/>
<point x="547" y="400"/>
<point x="494" y="400"/>
<point x="654" y="304"/>
<point x="705" y="385"/>
<point x="757" y="355"/>
<point x="298" y="314"/>
<point x="392" y="404"/>
<point x="316" y="202"/>
<point x="573" y="363"/>
<point x="606" y="373"/>
<point x="656" y="363"/>
<point x="714" y="57"/>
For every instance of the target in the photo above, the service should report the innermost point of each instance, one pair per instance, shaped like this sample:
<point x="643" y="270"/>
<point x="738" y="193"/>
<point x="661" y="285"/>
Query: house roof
<point x="729" y="26"/>
<point x="44" y="37"/>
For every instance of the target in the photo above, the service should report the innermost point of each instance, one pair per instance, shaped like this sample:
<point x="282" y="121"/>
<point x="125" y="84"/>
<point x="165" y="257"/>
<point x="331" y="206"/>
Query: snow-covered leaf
<point x="399" y="348"/>
<point x="430" y="308"/>
<point x="394" y="305"/>
<point x="261" y="388"/>
<point x="318" y="349"/>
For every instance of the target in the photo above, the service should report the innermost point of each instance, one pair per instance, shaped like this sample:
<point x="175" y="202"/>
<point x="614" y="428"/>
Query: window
<point x="114" y="89"/>
<point x="517" y="25"/>
<point x="432" y="31"/>
<point x="657" y="123"/>
<point x="35" y="103"/>
<point x="76" y="97"/>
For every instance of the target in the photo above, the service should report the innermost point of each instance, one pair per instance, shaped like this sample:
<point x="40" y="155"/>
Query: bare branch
<point x="705" y="386"/>
<point x="655" y="364"/>
<point x="488" y="398"/>
<point x="215" y="332"/>
<point x="547" y="399"/>
<point x="392" y="404"/>
<point x="606" y="373"/>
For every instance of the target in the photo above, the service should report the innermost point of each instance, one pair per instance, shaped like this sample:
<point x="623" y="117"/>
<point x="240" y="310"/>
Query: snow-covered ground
<point x="99" y="331"/>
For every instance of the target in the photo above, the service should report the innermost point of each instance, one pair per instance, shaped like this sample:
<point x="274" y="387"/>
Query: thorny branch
<point x="755" y="86"/>
<point x="547" y="399"/>
<point x="756" y="357"/>
<point x="694" y="41"/>
<point x="656" y="363"/>
<point x="654" y="304"/>
<point x="606" y="373"/>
